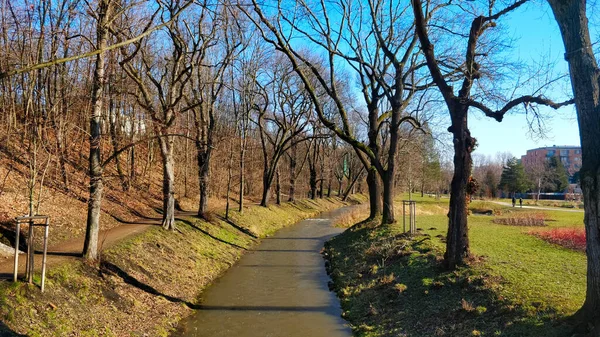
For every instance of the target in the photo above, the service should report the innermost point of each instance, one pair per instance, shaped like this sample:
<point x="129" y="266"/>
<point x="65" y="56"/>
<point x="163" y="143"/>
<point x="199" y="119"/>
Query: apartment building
<point x="570" y="156"/>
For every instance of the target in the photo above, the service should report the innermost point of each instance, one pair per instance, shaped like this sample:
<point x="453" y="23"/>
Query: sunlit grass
<point x="530" y="283"/>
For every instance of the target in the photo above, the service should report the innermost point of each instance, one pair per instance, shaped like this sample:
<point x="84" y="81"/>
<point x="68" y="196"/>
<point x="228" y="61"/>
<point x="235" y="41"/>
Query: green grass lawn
<point x="519" y="286"/>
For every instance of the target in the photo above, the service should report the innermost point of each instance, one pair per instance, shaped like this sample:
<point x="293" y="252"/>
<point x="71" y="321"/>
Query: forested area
<point x="270" y="102"/>
<point x="119" y="91"/>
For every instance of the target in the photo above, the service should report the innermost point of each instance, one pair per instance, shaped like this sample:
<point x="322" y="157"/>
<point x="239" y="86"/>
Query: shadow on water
<point x="285" y="250"/>
<point x="264" y="308"/>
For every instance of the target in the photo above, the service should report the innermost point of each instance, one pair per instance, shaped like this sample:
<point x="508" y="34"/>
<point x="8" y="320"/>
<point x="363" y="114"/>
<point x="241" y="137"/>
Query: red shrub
<point x="572" y="238"/>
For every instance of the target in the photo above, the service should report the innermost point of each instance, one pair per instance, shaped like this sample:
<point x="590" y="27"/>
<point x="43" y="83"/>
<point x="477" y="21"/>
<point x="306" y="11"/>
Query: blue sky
<point x="537" y="38"/>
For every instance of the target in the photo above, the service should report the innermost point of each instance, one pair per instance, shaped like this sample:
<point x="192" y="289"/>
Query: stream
<point x="277" y="289"/>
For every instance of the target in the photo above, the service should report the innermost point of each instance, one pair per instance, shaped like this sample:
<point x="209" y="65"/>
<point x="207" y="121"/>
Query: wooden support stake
<point x="16" y="269"/>
<point x="46" y="226"/>
<point x="404" y="216"/>
<point x="30" y="254"/>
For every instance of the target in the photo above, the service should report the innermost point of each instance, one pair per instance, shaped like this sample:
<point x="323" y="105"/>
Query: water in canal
<point x="279" y="289"/>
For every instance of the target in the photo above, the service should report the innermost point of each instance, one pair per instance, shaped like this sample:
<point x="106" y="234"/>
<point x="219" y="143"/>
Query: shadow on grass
<point x="390" y="285"/>
<point x="107" y="267"/>
<point x="7" y="332"/>
<point x="191" y="224"/>
<point x="236" y="226"/>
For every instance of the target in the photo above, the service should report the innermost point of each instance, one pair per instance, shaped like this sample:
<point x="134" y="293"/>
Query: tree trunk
<point x="266" y="188"/>
<point x="313" y="182"/>
<point x="278" y="186"/>
<point x="585" y="80"/>
<point x="203" y="156"/>
<point x="374" y="185"/>
<point x="457" y="244"/>
<point x="387" y="216"/>
<point x="90" y="245"/>
<point x="293" y="164"/>
<point x="229" y="179"/>
<point x="166" y="152"/>
<point x="242" y="166"/>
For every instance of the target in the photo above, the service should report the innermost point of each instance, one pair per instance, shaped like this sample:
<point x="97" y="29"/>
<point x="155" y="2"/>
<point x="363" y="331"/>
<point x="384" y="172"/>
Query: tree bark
<point x="266" y="188"/>
<point x="278" y="187"/>
<point x="293" y="163"/>
<point x="374" y="185"/>
<point x="313" y="182"/>
<point x="457" y="244"/>
<point x="203" y="157"/>
<point x="90" y="245"/>
<point x="585" y="80"/>
<point x="166" y="152"/>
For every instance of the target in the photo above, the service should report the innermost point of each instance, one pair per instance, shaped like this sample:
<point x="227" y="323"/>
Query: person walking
<point x="521" y="202"/>
<point x="514" y="201"/>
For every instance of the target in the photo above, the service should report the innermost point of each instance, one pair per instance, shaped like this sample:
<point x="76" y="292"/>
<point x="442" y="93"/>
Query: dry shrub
<point x="529" y="219"/>
<point x="352" y="215"/>
<point x="467" y="306"/>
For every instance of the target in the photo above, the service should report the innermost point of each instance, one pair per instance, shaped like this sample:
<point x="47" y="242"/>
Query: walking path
<point x="72" y="249"/>
<point x="560" y="209"/>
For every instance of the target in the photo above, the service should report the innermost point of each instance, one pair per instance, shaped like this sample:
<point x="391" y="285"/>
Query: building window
<point x="550" y="153"/>
<point x="577" y="151"/>
<point x="564" y="160"/>
<point x="564" y="152"/>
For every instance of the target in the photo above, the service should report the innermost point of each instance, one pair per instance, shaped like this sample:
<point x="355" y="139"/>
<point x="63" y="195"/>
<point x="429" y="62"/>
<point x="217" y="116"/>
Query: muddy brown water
<point x="278" y="289"/>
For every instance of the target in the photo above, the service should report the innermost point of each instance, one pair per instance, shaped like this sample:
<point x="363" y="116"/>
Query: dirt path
<point x="71" y="249"/>
<point x="541" y="208"/>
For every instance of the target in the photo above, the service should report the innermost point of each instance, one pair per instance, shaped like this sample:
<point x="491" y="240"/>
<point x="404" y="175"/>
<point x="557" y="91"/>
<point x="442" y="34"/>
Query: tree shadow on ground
<point x="5" y="331"/>
<point x="191" y="224"/>
<point x="110" y="268"/>
<point x="238" y="227"/>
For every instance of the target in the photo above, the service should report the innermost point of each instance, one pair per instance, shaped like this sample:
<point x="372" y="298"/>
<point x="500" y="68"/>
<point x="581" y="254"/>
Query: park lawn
<point x="518" y="285"/>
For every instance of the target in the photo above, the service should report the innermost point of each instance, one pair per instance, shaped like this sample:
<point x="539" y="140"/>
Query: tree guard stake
<point x="44" y="221"/>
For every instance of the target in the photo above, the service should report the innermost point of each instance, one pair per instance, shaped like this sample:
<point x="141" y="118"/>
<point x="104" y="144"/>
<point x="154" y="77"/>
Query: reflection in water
<point x="276" y="290"/>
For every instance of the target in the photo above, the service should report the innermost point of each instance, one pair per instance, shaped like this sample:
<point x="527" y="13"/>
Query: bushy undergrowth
<point x="572" y="238"/>
<point x="529" y="219"/>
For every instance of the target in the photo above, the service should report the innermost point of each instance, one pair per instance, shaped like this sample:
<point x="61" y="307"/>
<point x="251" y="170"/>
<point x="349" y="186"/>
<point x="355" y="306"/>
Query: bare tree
<point x="458" y="104"/>
<point x="365" y="37"/>
<point x="90" y="245"/>
<point x="281" y="117"/>
<point x="161" y="82"/>
<point x="221" y="41"/>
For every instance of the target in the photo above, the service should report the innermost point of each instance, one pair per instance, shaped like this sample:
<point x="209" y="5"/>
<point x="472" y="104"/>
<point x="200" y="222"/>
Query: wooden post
<point x="46" y="227"/>
<point x="30" y="261"/>
<point x="16" y="269"/>
<point x="404" y="215"/>
<point x="30" y="254"/>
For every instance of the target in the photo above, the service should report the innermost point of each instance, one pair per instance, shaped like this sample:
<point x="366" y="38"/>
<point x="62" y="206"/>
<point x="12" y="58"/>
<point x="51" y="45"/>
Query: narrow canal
<point x="279" y="289"/>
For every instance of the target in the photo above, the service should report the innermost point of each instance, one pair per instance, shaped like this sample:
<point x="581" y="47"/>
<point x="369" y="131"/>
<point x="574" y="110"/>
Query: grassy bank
<point x="518" y="284"/>
<point x="144" y="285"/>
